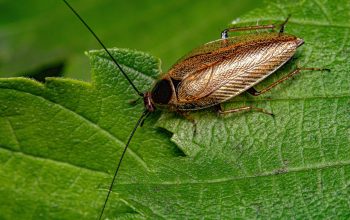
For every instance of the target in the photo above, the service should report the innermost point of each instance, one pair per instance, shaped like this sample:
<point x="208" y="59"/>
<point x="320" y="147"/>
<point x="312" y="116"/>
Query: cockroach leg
<point x="241" y="109"/>
<point x="144" y="118"/>
<point x="188" y="117"/>
<point x="224" y="33"/>
<point x="135" y="101"/>
<point x="282" y="26"/>
<point x="254" y="92"/>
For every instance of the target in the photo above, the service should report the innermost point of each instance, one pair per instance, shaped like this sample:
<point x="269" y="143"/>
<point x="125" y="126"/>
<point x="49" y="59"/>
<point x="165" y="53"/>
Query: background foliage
<point x="59" y="141"/>
<point x="36" y="37"/>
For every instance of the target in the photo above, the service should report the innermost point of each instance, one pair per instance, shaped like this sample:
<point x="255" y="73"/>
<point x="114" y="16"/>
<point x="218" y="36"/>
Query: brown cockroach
<point x="215" y="73"/>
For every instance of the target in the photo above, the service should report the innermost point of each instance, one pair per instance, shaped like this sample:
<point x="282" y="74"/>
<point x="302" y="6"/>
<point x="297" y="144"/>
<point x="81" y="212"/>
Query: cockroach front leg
<point x="144" y="119"/>
<point x="188" y="117"/>
<point x="254" y="92"/>
<point x="134" y="102"/>
<point x="241" y="109"/>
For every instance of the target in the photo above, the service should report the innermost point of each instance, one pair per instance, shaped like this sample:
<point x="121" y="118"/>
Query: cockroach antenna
<point x="140" y="120"/>
<point x="104" y="47"/>
<point x="144" y="114"/>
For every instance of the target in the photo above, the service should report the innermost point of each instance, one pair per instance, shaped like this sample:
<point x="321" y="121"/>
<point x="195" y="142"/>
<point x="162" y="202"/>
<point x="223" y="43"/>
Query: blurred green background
<point x="44" y="38"/>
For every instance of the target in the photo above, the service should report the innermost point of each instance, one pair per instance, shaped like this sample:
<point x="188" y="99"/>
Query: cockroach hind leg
<point x="221" y="111"/>
<point x="283" y="25"/>
<point x="315" y="69"/>
<point x="224" y="33"/>
<point x="254" y="92"/>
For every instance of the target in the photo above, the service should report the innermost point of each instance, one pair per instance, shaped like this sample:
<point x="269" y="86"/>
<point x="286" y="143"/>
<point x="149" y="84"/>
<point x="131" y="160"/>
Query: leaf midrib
<point x="275" y="172"/>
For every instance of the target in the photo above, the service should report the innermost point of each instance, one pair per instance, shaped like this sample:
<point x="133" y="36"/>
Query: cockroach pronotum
<point x="214" y="73"/>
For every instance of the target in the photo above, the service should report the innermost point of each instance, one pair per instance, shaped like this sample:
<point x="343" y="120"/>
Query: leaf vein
<point x="263" y="174"/>
<point x="91" y="123"/>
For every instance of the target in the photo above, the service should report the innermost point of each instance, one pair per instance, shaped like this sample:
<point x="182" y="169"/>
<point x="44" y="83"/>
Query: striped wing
<point x="235" y="70"/>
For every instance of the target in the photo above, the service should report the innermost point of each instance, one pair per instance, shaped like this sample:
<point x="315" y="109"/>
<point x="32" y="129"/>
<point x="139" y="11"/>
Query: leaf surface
<point x="60" y="141"/>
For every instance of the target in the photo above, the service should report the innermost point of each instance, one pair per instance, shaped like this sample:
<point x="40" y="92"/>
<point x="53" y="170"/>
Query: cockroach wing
<point x="203" y="56"/>
<point x="234" y="69"/>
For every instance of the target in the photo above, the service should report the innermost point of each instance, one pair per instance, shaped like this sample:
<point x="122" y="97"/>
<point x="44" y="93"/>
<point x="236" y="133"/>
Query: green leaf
<point x="60" y="141"/>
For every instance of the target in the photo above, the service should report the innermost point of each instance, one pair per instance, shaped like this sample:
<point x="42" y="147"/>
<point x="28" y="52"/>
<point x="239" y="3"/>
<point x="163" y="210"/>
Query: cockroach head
<point x="147" y="100"/>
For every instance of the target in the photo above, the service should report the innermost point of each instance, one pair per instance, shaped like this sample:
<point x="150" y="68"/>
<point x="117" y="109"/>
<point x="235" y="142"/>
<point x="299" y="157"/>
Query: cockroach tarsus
<point x="215" y="73"/>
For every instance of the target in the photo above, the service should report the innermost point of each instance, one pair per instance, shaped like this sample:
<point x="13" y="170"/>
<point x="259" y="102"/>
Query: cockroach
<point x="214" y="73"/>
